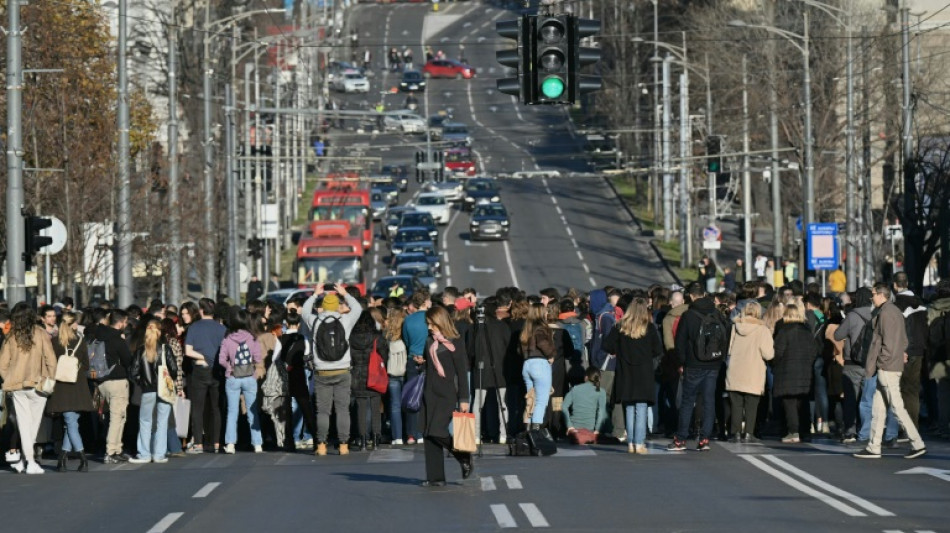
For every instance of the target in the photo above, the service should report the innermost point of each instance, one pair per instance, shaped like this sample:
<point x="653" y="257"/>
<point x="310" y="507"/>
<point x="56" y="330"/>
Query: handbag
<point x="463" y="432"/>
<point x="45" y="387"/>
<point x="67" y="368"/>
<point x="166" y="384"/>
<point x="376" y="378"/>
<point x="182" y="409"/>
<point x="412" y="393"/>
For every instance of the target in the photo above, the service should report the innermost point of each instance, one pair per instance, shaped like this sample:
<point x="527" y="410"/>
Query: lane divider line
<point x="513" y="482"/>
<point x="851" y="498"/>
<point x="801" y="487"/>
<point x="502" y="516"/>
<point x="206" y="490"/>
<point x="534" y="515"/>
<point x="511" y="265"/>
<point x="165" y="523"/>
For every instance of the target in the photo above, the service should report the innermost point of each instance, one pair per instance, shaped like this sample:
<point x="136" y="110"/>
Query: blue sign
<point x="823" y="246"/>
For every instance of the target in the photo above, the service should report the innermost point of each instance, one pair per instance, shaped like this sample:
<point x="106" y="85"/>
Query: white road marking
<point x="534" y="515"/>
<point x="393" y="455"/>
<point x="851" y="498"/>
<point x="488" y="484"/>
<point x="165" y="523"/>
<point x="206" y="490"/>
<point x="569" y="231"/>
<point x="469" y="242"/>
<point x="476" y="270"/>
<point x="511" y="265"/>
<point x="503" y="516"/>
<point x="448" y="270"/>
<point x="513" y="482"/>
<point x="801" y="487"/>
<point x="580" y="256"/>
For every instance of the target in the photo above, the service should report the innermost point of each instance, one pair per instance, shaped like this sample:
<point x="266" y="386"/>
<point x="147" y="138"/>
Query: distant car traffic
<point x="480" y="191"/>
<point x="426" y="248"/>
<point x="489" y="221"/>
<point x="351" y="82"/>
<point x="393" y="216"/>
<point x="436" y="204"/>
<point x="404" y="121"/>
<point x="282" y="296"/>
<point x="456" y="134"/>
<point x="421" y="271"/>
<point x="387" y="186"/>
<point x="450" y="189"/>
<point x="412" y="80"/>
<point x="378" y="203"/>
<point x="383" y="286"/>
<point x="408" y="235"/>
<point x="435" y="126"/>
<point x="419" y="219"/>
<point x="448" y="68"/>
<point x="399" y="173"/>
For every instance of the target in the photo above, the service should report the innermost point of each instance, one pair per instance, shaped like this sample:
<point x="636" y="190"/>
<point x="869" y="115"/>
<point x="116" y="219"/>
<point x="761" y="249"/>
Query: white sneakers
<point x="502" y="440"/>
<point x="397" y="442"/>
<point x="140" y="460"/>
<point x="229" y="448"/>
<point x="34" y="468"/>
<point x="13" y="457"/>
<point x="258" y="448"/>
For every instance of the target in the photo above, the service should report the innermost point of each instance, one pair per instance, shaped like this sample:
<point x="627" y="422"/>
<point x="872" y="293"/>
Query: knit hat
<point x="463" y="303"/>
<point x="331" y="302"/>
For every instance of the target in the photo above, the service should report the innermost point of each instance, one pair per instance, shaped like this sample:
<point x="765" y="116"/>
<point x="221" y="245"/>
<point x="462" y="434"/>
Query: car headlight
<point x="495" y="199"/>
<point x="504" y="222"/>
<point x="434" y="233"/>
<point x="469" y="199"/>
<point x="474" y="223"/>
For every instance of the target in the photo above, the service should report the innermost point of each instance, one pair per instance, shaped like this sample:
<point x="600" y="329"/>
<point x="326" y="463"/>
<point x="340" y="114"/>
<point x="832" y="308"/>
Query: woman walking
<point x="636" y="342"/>
<point x="445" y="387"/>
<point x="537" y="346"/>
<point x="26" y="360"/>
<point x="795" y="352"/>
<point x="750" y="347"/>
<point x="70" y="399"/>
<point x="146" y="373"/>
<point x="240" y="356"/>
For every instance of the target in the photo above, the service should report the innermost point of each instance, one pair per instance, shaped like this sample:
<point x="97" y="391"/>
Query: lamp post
<point x="801" y="43"/>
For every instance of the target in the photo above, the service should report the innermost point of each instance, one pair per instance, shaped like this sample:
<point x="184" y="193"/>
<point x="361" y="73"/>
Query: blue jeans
<point x="153" y="444"/>
<point x="233" y="388"/>
<point x="72" y="442"/>
<point x="698" y="381"/>
<point x="537" y="375"/>
<point x="864" y="409"/>
<point x="395" y="407"/>
<point x="300" y="429"/>
<point x="636" y="418"/>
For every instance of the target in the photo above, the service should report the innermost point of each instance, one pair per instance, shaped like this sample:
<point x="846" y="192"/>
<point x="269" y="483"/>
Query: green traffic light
<point x="552" y="87"/>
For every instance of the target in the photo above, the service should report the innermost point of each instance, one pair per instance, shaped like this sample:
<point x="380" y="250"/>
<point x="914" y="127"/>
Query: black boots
<point x="83" y="463"/>
<point x="61" y="466"/>
<point x="534" y="427"/>
<point x="372" y="442"/>
<point x="360" y="444"/>
<point x="468" y="465"/>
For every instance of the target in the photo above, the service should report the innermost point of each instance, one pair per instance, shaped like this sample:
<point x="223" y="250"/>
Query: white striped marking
<point x="206" y="490"/>
<point x="534" y="515"/>
<point x="488" y="484"/>
<point x="851" y="498"/>
<point x="801" y="487"/>
<point x="502" y="516"/>
<point x="165" y="523"/>
<point x="513" y="482"/>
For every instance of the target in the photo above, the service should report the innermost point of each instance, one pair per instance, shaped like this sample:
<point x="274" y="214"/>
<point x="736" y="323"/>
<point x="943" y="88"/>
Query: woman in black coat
<point x="71" y="399"/>
<point x="489" y="346"/>
<point x="637" y="344"/>
<point x="446" y="385"/>
<point x="795" y="352"/>
<point x="365" y="334"/>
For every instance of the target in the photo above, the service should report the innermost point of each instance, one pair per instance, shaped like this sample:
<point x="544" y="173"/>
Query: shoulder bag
<point x="166" y="384"/>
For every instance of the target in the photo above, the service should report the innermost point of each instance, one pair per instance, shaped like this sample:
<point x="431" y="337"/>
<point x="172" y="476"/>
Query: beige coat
<point x="24" y="370"/>
<point x="749" y="348"/>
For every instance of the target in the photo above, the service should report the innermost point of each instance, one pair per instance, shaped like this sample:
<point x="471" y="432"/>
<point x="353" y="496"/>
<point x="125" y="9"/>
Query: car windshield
<point x="436" y="121"/>
<point x="426" y="249"/>
<point x="412" y="76"/>
<point x="313" y="270"/>
<point x="458" y="157"/>
<point x="481" y="186"/>
<point x="432" y="200"/>
<point x="378" y="197"/>
<point x="354" y="214"/>
<point x="412" y="236"/>
<point x="354" y="76"/>
<point x="417" y="219"/>
<point x="490" y="211"/>
<point x="460" y="130"/>
<point x="412" y="269"/>
<point x="385" y="284"/>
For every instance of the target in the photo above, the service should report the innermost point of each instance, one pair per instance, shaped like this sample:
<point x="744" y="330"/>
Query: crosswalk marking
<point x="534" y="515"/>
<point x="488" y="484"/>
<point x="847" y="496"/>
<point x="503" y="516"/>
<point x="513" y="482"/>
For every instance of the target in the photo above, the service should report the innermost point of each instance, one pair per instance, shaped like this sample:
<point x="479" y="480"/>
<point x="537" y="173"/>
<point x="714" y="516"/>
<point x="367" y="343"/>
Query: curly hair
<point x="23" y="322"/>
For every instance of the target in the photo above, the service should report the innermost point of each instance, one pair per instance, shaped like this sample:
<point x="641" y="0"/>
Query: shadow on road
<point x="380" y="478"/>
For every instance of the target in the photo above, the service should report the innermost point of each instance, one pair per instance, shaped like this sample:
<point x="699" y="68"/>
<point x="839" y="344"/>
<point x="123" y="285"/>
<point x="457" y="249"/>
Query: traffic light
<point x="581" y="56"/>
<point x="517" y="58"/>
<point x="440" y="160"/>
<point x="714" y="154"/>
<point x="548" y="72"/>
<point x="420" y="158"/>
<point x="33" y="240"/>
<point x="255" y="248"/>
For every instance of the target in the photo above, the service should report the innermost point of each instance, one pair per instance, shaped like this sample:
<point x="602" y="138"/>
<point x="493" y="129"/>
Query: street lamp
<point x="800" y="42"/>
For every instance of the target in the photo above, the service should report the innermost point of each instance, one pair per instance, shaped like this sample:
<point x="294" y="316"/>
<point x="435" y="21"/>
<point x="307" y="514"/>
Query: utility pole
<point x="208" y="285"/>
<point x="746" y="177"/>
<point x="174" y="264"/>
<point x="912" y="230"/>
<point x="866" y="217"/>
<point x="853" y="234"/>
<point x="16" y="278"/>
<point x="231" y="194"/>
<point x="686" y="230"/>
<point x="654" y="90"/>
<point x="667" y="177"/>
<point x="778" y="224"/>
<point x="123" y="262"/>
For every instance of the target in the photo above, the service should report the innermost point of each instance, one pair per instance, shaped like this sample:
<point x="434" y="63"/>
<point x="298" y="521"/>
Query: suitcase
<point x="541" y="442"/>
<point x="519" y="446"/>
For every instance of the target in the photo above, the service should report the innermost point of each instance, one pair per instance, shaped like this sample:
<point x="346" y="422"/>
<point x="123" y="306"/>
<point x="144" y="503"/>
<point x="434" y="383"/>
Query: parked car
<point x="489" y="221"/>
<point x="412" y="80"/>
<point x="435" y="204"/>
<point x="404" y="121"/>
<point x="448" y="68"/>
<point x="480" y="191"/>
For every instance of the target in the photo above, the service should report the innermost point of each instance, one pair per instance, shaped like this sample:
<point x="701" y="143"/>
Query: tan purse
<point x="67" y="368"/>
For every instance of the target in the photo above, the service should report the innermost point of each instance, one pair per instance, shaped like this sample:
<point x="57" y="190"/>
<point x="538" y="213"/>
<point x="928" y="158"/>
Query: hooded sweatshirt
<point x="915" y="320"/>
<point x="688" y="331"/>
<point x="750" y="347"/>
<point x="229" y="347"/>
<point x="604" y="320"/>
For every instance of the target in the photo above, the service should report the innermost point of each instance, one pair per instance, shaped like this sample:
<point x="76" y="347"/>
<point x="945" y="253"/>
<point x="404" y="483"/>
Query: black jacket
<point x="490" y="341"/>
<point x="71" y="397"/>
<point x="634" y="381"/>
<point x="441" y="394"/>
<point x="117" y="351"/>
<point x="361" y="345"/>
<point x="145" y="375"/>
<point x="915" y="321"/>
<point x="795" y="353"/>
<point x="688" y="331"/>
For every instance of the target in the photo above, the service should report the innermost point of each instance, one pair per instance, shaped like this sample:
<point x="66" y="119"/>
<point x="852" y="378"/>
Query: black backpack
<point x="939" y="338"/>
<point x="712" y="341"/>
<point x="329" y="339"/>
<point x="859" y="352"/>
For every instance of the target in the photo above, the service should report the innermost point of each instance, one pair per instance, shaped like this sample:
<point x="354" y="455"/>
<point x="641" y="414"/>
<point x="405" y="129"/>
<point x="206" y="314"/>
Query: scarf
<point x="565" y="316"/>
<point x="438" y="338"/>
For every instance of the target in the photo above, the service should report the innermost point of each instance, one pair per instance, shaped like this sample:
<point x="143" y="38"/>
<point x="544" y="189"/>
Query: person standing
<point x="445" y="387"/>
<point x="749" y="348"/>
<point x="837" y="281"/>
<point x="795" y="353"/>
<point x="886" y="358"/>
<point x="71" y="399"/>
<point x="255" y="289"/>
<point x="293" y="350"/>
<point x="539" y="351"/>
<point x="396" y="369"/>
<point x="49" y="320"/>
<point x="115" y="387"/>
<point x="915" y="323"/>
<point x="241" y="358"/>
<point x="938" y="318"/>
<point x="491" y="344"/>
<point x="364" y="338"/>
<point x="202" y="342"/>
<point x="26" y="359"/>
<point x="414" y="334"/>
<point x="146" y="373"/>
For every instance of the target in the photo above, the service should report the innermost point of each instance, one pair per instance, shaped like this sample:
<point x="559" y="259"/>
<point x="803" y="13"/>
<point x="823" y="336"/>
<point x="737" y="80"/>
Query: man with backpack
<point x="702" y="342"/>
<point x="330" y="330"/>
<point x="577" y="361"/>
<point x="114" y="386"/>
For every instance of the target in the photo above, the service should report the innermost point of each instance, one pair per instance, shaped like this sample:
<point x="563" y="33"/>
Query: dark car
<point x="412" y="80"/>
<point x="479" y="191"/>
<point x="489" y="221"/>
<point x="456" y="134"/>
<point x="419" y="219"/>
<point x="435" y="126"/>
<point x="407" y="235"/>
<point x="428" y="250"/>
<point x="383" y="286"/>
<point x="400" y="175"/>
<point x="448" y="68"/>
<point x="393" y="214"/>
<point x="388" y="187"/>
<point x="414" y="257"/>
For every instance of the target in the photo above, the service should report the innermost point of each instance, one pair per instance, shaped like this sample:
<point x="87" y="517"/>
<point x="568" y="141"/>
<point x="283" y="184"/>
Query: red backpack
<point x="377" y="379"/>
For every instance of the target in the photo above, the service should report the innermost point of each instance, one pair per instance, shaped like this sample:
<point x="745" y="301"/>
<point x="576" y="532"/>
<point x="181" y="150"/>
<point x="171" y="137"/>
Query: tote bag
<point x="166" y="384"/>
<point x="463" y="429"/>
<point x="412" y="393"/>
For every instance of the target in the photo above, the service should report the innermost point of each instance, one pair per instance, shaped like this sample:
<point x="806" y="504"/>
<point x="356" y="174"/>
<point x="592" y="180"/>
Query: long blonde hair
<point x="793" y="314"/>
<point x="66" y="334"/>
<point x="635" y="321"/>
<point x="440" y="318"/>
<point x="153" y="334"/>
<point x="773" y="314"/>
<point x="535" y="320"/>
<point x="393" y="328"/>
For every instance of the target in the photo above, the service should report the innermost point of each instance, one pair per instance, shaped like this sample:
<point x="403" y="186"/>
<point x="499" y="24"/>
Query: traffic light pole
<point x="667" y="177"/>
<point x="123" y="241"/>
<point x="15" y="290"/>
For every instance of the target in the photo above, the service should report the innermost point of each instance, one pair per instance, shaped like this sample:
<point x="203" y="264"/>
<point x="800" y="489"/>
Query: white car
<point x="351" y="82"/>
<point x="404" y="121"/>
<point x="451" y="189"/>
<point x="436" y="205"/>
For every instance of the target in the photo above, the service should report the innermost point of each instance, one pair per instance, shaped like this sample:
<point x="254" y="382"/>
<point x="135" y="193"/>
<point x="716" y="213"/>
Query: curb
<point x="636" y="221"/>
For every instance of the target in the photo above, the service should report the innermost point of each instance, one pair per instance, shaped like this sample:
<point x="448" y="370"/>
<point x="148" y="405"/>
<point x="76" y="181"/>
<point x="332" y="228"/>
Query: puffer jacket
<point x="23" y="370"/>
<point x="361" y="345"/>
<point x="795" y="353"/>
<point x="750" y="347"/>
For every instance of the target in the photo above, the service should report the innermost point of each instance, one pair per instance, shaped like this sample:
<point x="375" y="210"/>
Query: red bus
<point x="348" y="204"/>
<point x="330" y="255"/>
<point x="460" y="161"/>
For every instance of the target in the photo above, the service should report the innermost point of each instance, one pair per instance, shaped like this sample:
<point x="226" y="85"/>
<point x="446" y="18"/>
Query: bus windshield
<point x="354" y="214"/>
<point x="313" y="270"/>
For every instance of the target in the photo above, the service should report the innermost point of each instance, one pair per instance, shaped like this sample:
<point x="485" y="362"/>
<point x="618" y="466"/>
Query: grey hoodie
<point x="348" y="320"/>
<point x="850" y="329"/>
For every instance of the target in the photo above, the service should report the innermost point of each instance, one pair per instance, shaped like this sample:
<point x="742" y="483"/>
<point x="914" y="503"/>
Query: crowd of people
<point x="613" y="365"/>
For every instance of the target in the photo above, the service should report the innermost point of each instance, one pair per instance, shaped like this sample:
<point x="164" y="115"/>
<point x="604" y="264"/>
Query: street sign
<point x="712" y="245"/>
<point x="712" y="233"/>
<point x="823" y="246"/>
<point x="429" y="166"/>
<point x="270" y="227"/>
<point x="894" y="232"/>
<point x="58" y="232"/>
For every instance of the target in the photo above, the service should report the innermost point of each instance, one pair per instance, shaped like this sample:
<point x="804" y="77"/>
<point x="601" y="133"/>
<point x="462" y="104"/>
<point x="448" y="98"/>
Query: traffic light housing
<point x="255" y="248"/>
<point x="581" y="56"/>
<point x="439" y="158"/>
<point x="33" y="241"/>
<point x="714" y="154"/>
<point x="518" y="58"/>
<point x="420" y="174"/>
<point x="549" y="75"/>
